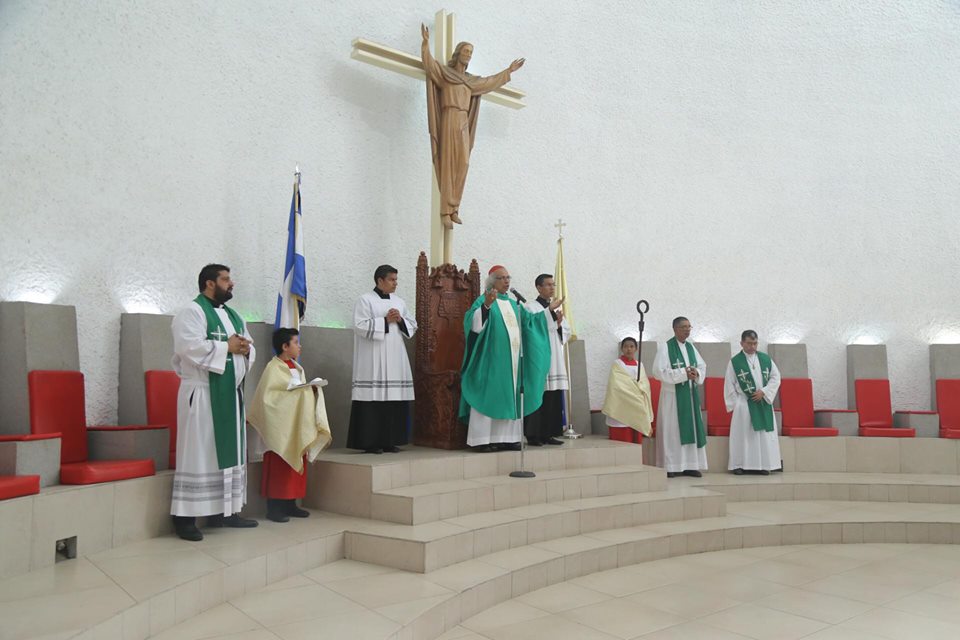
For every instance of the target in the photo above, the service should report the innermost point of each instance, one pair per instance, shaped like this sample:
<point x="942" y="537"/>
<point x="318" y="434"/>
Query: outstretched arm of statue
<point x="430" y="65"/>
<point x="516" y="64"/>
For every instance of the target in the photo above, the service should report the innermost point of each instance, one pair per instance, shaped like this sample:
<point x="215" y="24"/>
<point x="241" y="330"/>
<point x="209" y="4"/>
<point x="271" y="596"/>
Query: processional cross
<point x="444" y="42"/>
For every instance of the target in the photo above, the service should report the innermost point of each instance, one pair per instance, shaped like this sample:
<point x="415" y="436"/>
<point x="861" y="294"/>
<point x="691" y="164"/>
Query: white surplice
<point x="557" y="379"/>
<point x="200" y="487"/>
<point x="749" y="449"/>
<point x="671" y="454"/>
<point x="381" y="368"/>
<point x="482" y="429"/>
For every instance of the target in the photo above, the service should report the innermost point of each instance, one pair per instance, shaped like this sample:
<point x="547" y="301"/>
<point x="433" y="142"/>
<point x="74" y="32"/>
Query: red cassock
<point x="280" y="481"/>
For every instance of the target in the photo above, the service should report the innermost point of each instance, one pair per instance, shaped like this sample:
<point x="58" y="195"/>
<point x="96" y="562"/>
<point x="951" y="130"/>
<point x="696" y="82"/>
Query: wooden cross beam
<point x="444" y="42"/>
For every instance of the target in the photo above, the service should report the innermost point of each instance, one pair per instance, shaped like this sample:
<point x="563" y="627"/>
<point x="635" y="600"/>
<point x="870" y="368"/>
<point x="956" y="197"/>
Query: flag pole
<point x="569" y="432"/>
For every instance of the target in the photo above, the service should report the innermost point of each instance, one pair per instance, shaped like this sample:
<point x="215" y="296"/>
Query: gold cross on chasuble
<point x="444" y="42"/>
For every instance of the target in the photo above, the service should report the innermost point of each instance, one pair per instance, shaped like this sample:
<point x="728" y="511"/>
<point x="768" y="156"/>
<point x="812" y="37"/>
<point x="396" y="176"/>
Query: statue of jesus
<point x="453" y="102"/>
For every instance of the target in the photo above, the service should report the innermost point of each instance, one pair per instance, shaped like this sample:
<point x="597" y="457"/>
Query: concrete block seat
<point x="162" y="388"/>
<point x="948" y="406"/>
<point x="718" y="418"/>
<point x="18" y="486"/>
<point x="796" y="405"/>
<point x="876" y="414"/>
<point x="27" y="454"/>
<point x="57" y="406"/>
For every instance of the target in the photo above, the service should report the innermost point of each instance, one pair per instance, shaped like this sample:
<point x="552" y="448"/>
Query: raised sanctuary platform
<point x="475" y="538"/>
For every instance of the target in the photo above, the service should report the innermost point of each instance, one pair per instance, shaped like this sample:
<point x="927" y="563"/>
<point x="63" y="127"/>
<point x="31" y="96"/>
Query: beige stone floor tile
<point x="63" y="577"/>
<point x="762" y="623"/>
<point x="292" y="582"/>
<point x="685" y="601"/>
<point x="387" y="588"/>
<point x="148" y="575"/>
<point x="622" y="618"/>
<point x="572" y="544"/>
<point x="713" y="561"/>
<point x="781" y="571"/>
<point x="862" y="588"/>
<point x="271" y="608"/>
<point x="361" y="625"/>
<point x="738" y="587"/>
<point x="841" y="632"/>
<point x="403" y="613"/>
<point x="552" y="628"/>
<point x="869" y="552"/>
<point x="929" y="605"/>
<point x="256" y="634"/>
<point x="460" y="633"/>
<point x="626" y="581"/>
<point x="950" y="588"/>
<point x="895" y="625"/>
<point x="222" y="620"/>
<point x="504" y="614"/>
<point x="59" y="612"/>
<point x="817" y="606"/>
<point x="462" y="576"/>
<point x="692" y="631"/>
<point x="562" y="597"/>
<point x="345" y="569"/>
<point x="521" y="556"/>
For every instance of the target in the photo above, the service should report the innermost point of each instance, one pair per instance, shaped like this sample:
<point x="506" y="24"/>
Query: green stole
<point x="486" y="376"/>
<point x="688" y="398"/>
<point x="223" y="388"/>
<point x="761" y="413"/>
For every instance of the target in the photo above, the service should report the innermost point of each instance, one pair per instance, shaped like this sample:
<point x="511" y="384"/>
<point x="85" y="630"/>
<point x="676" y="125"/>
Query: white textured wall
<point x="786" y="166"/>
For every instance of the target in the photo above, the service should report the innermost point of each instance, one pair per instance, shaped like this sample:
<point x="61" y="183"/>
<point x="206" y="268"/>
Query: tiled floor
<point x="818" y="592"/>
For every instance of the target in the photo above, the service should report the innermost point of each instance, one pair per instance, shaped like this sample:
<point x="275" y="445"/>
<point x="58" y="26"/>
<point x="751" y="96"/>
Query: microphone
<point x="520" y="298"/>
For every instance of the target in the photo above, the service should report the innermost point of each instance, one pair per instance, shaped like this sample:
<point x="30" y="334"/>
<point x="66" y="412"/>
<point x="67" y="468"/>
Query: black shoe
<point x="553" y="441"/>
<point x="392" y="449"/>
<point x="737" y="472"/>
<point x="294" y="511"/>
<point x="673" y="474"/>
<point x="510" y="446"/>
<point x="234" y="521"/>
<point x="186" y="528"/>
<point x="764" y="472"/>
<point x="376" y="451"/>
<point x="276" y="510"/>
<point x="693" y="473"/>
<point x="484" y="448"/>
<point x="534" y="442"/>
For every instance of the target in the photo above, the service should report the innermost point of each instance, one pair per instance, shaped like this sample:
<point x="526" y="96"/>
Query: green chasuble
<point x="486" y="377"/>
<point x="761" y="413"/>
<point x="223" y="389"/>
<point x="688" y="398"/>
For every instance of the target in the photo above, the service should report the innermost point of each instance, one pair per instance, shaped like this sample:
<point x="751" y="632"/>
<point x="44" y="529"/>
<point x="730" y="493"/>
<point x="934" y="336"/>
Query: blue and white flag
<point x="292" y="301"/>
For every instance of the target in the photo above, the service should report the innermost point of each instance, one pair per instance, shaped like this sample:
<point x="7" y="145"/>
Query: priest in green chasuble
<point x="681" y="434"/>
<point x="495" y="326"/>
<point x="749" y="387"/>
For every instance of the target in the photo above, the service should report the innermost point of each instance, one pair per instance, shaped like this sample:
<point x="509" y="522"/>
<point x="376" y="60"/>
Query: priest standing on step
<point x="212" y="354"/>
<point x="546" y="423"/>
<point x="494" y="328"/>
<point x="749" y="387"/>
<point x="382" y="380"/>
<point x="681" y="435"/>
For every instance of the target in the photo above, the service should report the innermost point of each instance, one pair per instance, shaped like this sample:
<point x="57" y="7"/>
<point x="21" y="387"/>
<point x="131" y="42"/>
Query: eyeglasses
<point x="501" y="277"/>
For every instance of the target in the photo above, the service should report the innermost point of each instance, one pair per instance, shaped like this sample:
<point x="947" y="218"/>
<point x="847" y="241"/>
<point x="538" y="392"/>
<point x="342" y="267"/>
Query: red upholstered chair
<point x="876" y="414"/>
<point x="162" y="388"/>
<point x="796" y="406"/>
<point x="718" y="418"/>
<point x="17" y="486"/>
<point x="948" y="406"/>
<point x="57" y="405"/>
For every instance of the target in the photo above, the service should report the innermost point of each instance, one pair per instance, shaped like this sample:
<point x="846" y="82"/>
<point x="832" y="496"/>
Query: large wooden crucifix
<point x="444" y="43"/>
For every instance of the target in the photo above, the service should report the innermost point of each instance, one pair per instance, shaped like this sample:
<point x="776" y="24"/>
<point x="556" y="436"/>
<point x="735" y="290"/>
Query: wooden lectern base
<point x="444" y="294"/>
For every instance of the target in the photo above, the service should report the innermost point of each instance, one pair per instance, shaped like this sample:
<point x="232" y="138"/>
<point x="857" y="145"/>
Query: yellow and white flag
<point x="560" y="278"/>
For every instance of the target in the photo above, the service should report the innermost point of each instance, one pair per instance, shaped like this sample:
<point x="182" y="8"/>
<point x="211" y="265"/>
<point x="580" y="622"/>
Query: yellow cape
<point x="291" y="422"/>
<point x="628" y="400"/>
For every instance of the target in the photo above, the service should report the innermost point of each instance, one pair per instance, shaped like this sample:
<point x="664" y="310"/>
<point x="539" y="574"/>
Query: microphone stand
<point x="521" y="473"/>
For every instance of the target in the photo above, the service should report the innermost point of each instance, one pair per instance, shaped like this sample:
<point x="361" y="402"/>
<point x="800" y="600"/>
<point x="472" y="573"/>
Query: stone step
<point x="427" y="547"/>
<point x="344" y="482"/>
<point x="419" y="504"/>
